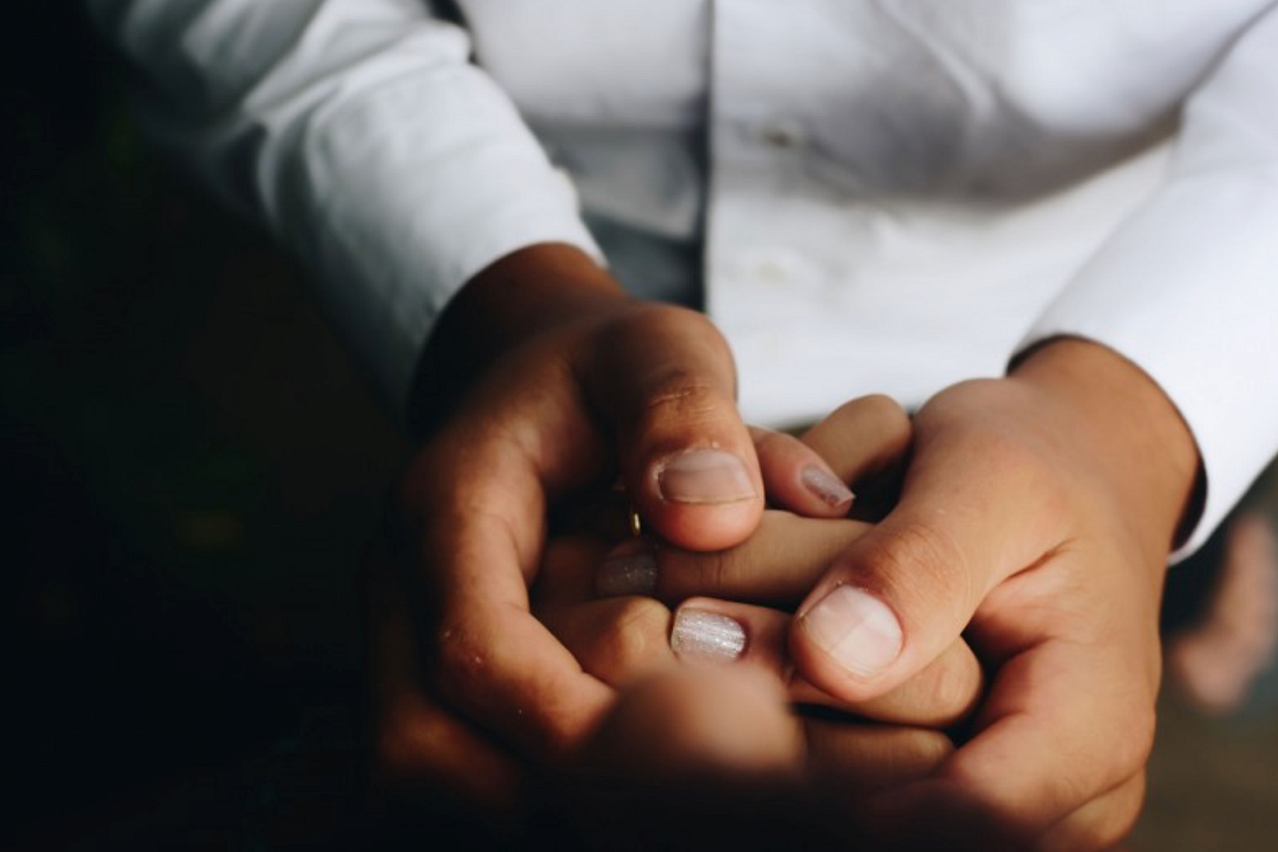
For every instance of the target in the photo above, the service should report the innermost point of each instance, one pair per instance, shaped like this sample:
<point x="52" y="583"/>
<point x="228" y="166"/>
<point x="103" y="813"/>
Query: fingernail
<point x="705" y="476"/>
<point x="856" y="629"/>
<point x="627" y="574"/>
<point x="707" y="636"/>
<point x="825" y="485"/>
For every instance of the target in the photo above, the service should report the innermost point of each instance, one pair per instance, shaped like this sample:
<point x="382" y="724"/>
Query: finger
<point x="903" y="592"/>
<point x="625" y="640"/>
<point x="850" y="760"/>
<point x="1101" y="823"/>
<point x="848" y="764"/>
<point x="480" y="504"/>
<point x="861" y="441"/>
<point x="795" y="478"/>
<point x="712" y="631"/>
<point x="940" y="815"/>
<point x="694" y="760"/>
<point x="686" y="457"/>
<point x="942" y="696"/>
<point x="866" y="442"/>
<point x="1087" y="730"/>
<point x="620" y="641"/>
<point x="689" y="723"/>
<point x="422" y="752"/>
<point x="567" y="576"/>
<point x="778" y="565"/>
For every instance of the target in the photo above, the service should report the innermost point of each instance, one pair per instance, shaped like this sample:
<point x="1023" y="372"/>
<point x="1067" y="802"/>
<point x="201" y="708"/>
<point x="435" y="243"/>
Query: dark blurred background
<point x="188" y="474"/>
<point x="189" y="470"/>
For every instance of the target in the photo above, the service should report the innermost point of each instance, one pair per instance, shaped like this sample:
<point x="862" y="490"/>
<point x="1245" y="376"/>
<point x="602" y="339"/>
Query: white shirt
<point x="887" y="195"/>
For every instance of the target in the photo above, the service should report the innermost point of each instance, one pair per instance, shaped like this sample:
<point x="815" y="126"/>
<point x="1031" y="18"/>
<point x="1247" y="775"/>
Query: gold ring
<point x="636" y="522"/>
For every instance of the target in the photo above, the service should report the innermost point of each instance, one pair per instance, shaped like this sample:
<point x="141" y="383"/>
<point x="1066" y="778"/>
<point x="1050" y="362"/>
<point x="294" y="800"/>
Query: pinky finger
<point x="1101" y="823"/>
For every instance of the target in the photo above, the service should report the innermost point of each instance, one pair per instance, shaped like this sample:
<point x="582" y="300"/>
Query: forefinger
<point x="480" y="541"/>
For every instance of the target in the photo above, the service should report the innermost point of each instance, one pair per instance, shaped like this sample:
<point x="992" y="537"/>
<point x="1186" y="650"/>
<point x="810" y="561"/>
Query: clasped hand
<point x="1035" y="517"/>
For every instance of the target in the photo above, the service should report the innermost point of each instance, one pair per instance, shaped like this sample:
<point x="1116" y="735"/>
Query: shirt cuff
<point x="408" y="191"/>
<point x="1188" y="291"/>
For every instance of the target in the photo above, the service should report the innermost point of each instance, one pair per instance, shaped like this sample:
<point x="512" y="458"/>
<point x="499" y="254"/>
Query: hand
<point x="542" y="379"/>
<point x="715" y="757"/>
<point x="1037" y="514"/>
<point x="702" y="743"/>
<point x="428" y="756"/>
<point x="626" y="640"/>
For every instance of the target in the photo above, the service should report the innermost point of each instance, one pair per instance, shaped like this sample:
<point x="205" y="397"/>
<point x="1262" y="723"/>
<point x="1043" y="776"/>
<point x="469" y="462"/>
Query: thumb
<point x="664" y="377"/>
<point x="973" y="511"/>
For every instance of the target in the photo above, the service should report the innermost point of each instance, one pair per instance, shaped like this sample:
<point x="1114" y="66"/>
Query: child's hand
<point x="1037" y="514"/>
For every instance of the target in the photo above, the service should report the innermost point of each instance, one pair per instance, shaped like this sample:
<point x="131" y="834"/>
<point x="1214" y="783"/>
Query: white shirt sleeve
<point x="360" y="133"/>
<point x="1187" y="287"/>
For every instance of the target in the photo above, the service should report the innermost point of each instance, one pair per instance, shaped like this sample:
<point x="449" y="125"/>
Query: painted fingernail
<point x="705" y="476"/>
<point x="828" y="487"/>
<point x="627" y="573"/>
<point x="856" y="629"/>
<point x="707" y="636"/>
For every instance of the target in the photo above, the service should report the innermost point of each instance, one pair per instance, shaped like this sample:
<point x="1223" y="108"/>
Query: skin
<point x="562" y="372"/>
<point x="428" y="752"/>
<point x="1036" y="515"/>
<point x="540" y="376"/>
<point x="1038" y="508"/>
<point x="697" y="737"/>
<point x="1038" y="512"/>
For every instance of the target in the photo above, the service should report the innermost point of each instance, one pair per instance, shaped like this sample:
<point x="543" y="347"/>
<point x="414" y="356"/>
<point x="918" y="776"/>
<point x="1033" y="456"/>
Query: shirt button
<point x="782" y="133"/>
<point x="772" y="271"/>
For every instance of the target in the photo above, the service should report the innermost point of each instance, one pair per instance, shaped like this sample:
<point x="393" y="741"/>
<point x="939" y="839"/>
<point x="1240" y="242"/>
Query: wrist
<point x="1125" y="426"/>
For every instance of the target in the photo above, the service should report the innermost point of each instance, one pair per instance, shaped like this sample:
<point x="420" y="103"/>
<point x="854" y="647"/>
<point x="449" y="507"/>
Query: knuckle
<point x="931" y="749"/>
<point x="721" y="573"/>
<point x="684" y="574"/>
<point x="635" y="641"/>
<point x="916" y="754"/>
<point x="768" y="442"/>
<point x="681" y="396"/>
<point x="659" y="319"/>
<point x="718" y="571"/>
<point x="650" y="324"/>
<point x="877" y="413"/>
<point x="877" y="408"/>
<point x="927" y="565"/>
<point x="955" y="688"/>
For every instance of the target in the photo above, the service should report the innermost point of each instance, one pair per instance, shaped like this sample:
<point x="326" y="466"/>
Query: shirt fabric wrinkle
<point x="873" y="196"/>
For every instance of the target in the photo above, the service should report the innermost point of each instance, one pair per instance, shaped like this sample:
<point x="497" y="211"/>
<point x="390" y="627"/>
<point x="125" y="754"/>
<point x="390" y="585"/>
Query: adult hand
<point x="543" y="379"/>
